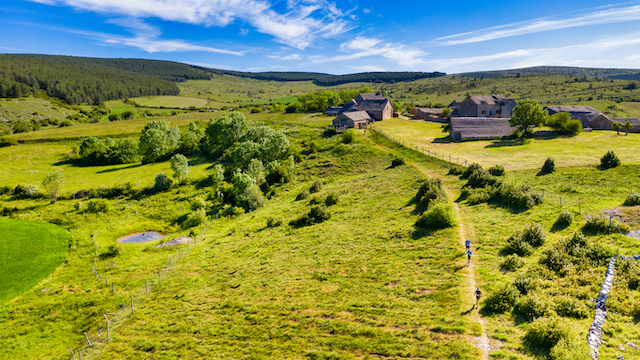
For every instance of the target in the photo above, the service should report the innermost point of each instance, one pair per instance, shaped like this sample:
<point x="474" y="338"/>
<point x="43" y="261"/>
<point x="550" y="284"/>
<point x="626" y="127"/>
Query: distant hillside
<point x="558" y="70"/>
<point x="23" y="75"/>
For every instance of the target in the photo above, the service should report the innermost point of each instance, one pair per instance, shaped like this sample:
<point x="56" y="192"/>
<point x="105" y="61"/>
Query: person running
<point x="478" y="295"/>
<point x="467" y="244"/>
<point x="468" y="256"/>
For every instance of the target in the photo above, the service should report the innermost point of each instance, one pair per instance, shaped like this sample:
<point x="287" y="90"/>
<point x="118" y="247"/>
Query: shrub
<point x="629" y="272"/>
<point x="348" y="137"/>
<point x="562" y="123"/>
<point x="196" y="218"/>
<point x="315" y="187"/>
<point x="497" y="170"/>
<point x="397" y="161"/>
<point x="502" y="300"/>
<point x="329" y="132"/>
<point x="98" y="206"/>
<point x="570" y="307"/>
<point x="112" y="251"/>
<point x="273" y="222"/>
<point x="316" y="214"/>
<point x="632" y="200"/>
<point x="471" y="169"/>
<point x="331" y="199"/>
<point x="77" y="206"/>
<point x="546" y="332"/>
<point x="251" y="198"/>
<point x="512" y="262"/>
<point x="534" y="234"/>
<point x="162" y="182"/>
<point x="431" y="192"/>
<point x="549" y="166"/>
<point x="564" y="219"/>
<point x="198" y="203"/>
<point x="600" y="225"/>
<point x="609" y="160"/>
<point x="480" y="179"/>
<point x="576" y="251"/>
<point x="523" y="283"/>
<point x="315" y="200"/>
<point x="31" y="191"/>
<point x="478" y="196"/>
<point x="516" y="245"/>
<point x="4" y="142"/>
<point x="570" y="349"/>
<point x="533" y="306"/>
<point x="180" y="166"/>
<point x="440" y="216"/>
<point x="302" y="195"/>
<point x="456" y="170"/>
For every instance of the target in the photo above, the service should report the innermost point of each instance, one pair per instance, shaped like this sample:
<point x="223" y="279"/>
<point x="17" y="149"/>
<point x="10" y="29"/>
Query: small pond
<point x="141" y="237"/>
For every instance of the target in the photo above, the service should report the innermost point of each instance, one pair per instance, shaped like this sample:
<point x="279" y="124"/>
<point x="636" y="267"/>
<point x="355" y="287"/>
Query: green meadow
<point x="29" y="253"/>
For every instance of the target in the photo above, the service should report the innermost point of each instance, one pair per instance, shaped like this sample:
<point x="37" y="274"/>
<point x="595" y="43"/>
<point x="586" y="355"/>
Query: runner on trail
<point x="478" y="294"/>
<point x="468" y="244"/>
<point x="468" y="256"/>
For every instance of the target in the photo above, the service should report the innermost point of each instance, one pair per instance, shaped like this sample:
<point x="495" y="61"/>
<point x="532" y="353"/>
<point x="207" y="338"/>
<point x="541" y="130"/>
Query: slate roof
<point x="633" y="121"/>
<point x="490" y="100"/>
<point x="474" y="128"/>
<point x="429" y="111"/>
<point x="576" y="111"/>
<point x="332" y="110"/>
<point x="372" y="96"/>
<point x="357" y="115"/>
<point x="455" y="104"/>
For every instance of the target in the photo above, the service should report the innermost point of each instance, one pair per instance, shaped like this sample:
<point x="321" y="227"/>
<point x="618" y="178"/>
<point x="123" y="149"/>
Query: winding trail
<point x="469" y="284"/>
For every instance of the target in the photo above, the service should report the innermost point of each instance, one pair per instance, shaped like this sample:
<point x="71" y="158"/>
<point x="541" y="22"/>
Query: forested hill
<point x="22" y="76"/>
<point x="558" y="70"/>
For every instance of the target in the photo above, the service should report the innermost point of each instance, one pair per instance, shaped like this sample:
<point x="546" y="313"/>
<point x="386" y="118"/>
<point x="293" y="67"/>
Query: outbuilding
<point x="352" y="119"/>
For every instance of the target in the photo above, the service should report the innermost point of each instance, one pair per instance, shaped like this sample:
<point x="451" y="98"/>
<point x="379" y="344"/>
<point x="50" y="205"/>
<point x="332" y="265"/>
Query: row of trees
<point x="320" y="100"/>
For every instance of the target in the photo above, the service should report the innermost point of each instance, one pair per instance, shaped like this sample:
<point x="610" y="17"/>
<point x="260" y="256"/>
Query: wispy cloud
<point x="361" y="47"/>
<point x="597" y="17"/>
<point x="305" y="21"/>
<point x="286" y="57"/>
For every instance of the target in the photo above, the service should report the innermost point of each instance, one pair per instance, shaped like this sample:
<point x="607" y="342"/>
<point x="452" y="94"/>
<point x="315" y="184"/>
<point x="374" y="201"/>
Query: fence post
<point x="560" y="202"/>
<point x="108" y="338"/>
<point x="87" y="338"/>
<point x="73" y="355"/>
<point x="106" y="281"/>
<point x="112" y="288"/>
<point x="579" y="209"/>
<point x="79" y="354"/>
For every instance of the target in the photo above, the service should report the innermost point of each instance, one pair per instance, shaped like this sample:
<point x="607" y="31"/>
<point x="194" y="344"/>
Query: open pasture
<point x="170" y="101"/>
<point x="29" y="253"/>
<point x="585" y="149"/>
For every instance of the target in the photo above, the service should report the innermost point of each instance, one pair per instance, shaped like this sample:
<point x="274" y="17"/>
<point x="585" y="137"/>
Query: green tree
<point x="180" y="166"/>
<point x="617" y="127"/>
<point x="158" y="140"/>
<point x="564" y="124"/>
<point x="52" y="183"/>
<point x="526" y="114"/>
<point x="446" y="112"/>
<point x="628" y="127"/>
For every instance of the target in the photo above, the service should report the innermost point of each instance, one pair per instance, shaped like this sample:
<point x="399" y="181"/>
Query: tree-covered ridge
<point x="375" y="77"/>
<point x="22" y="76"/>
<point x="166" y="70"/>
<point x="558" y="70"/>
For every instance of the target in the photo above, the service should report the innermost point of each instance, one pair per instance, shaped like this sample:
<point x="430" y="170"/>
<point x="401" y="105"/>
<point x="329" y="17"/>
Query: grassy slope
<point x="31" y="109"/>
<point x="584" y="149"/>
<point x="170" y="101"/>
<point x="29" y="253"/>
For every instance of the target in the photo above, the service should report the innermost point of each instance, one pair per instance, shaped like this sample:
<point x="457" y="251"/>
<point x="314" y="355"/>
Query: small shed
<point x="352" y="119"/>
<point x="428" y="113"/>
<point x="476" y="128"/>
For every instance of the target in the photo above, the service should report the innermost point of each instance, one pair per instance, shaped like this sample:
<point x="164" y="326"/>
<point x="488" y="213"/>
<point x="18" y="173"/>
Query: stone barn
<point x="603" y="122"/>
<point x="474" y="128"/>
<point x="379" y="107"/>
<point x="486" y="106"/>
<point x="350" y="120"/>
<point x="428" y="113"/>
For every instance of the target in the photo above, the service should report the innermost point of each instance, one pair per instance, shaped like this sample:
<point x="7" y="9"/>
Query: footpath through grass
<point x="29" y="253"/>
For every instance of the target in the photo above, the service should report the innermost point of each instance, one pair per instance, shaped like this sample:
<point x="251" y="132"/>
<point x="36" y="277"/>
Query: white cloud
<point x="361" y="47"/>
<point x="600" y="16"/>
<point x="306" y="20"/>
<point x="286" y="57"/>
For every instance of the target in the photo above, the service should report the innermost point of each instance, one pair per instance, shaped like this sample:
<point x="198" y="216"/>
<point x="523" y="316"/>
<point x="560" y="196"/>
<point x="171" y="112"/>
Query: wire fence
<point x="109" y="323"/>
<point x="437" y="155"/>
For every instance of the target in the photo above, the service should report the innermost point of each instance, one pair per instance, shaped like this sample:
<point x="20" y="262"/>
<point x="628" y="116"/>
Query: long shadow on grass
<point x="121" y="168"/>
<point x="507" y="142"/>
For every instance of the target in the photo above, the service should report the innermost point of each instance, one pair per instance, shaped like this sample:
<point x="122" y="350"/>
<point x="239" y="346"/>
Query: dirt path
<point x="469" y="283"/>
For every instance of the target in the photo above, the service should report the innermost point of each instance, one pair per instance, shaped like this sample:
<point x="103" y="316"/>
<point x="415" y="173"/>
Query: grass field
<point x="170" y="101"/>
<point x="585" y="149"/>
<point x="31" y="109"/>
<point x="29" y="253"/>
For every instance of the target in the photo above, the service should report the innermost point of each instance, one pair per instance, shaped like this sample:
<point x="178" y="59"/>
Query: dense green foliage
<point x="564" y="124"/>
<point x="549" y="166"/>
<point x="526" y="114"/>
<point x="609" y="160"/>
<point x="93" y="151"/>
<point x="30" y="251"/>
<point x="22" y="76"/>
<point x="322" y="99"/>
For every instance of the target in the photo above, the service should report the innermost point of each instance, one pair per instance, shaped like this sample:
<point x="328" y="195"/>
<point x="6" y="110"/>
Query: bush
<point x="481" y="178"/>
<point x="316" y="215"/>
<point x="315" y="187"/>
<point x="251" y="199"/>
<point x="198" y="203"/>
<point x="470" y="170"/>
<point x="523" y="283"/>
<point x="564" y="219"/>
<point x="77" y="206"/>
<point x="609" y="160"/>
<point x="431" y="192"/>
<point x="329" y="132"/>
<point x="478" y="196"/>
<point x="575" y="251"/>
<point x="456" y="170"/>
<point x="315" y="200"/>
<point x="98" y="206"/>
<point x="629" y="272"/>
<point x="112" y="251"/>
<point x="497" y="170"/>
<point x="516" y="245"/>
<point x="162" y="182"/>
<point x="546" y="332"/>
<point x="440" y="216"/>
<point x="570" y="307"/>
<point x="502" y="300"/>
<point x="534" y="234"/>
<point x="331" y="199"/>
<point x="564" y="124"/>
<point x="194" y="219"/>
<point x="273" y="222"/>
<point x="512" y="262"/>
<point x="348" y="137"/>
<point x="570" y="349"/>
<point x="302" y="195"/>
<point x="549" y="166"/>
<point x="632" y="200"/>
<point x="397" y="161"/>
<point x="4" y="142"/>
<point x="600" y="225"/>
<point x="533" y="306"/>
<point x="31" y="192"/>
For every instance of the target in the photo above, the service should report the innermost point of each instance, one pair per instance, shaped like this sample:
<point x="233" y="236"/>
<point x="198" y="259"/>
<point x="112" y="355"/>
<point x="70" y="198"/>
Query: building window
<point x="484" y="112"/>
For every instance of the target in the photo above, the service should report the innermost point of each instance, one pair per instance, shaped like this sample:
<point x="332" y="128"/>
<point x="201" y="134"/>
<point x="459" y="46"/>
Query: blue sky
<point x="335" y="37"/>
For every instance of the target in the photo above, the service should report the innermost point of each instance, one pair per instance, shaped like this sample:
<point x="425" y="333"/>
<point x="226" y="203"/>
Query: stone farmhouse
<point x="475" y="128"/>
<point x="379" y="107"/>
<point x="603" y="122"/>
<point x="486" y="106"/>
<point x="352" y="119"/>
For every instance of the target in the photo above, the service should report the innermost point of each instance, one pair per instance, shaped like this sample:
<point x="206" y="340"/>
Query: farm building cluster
<point x="366" y="108"/>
